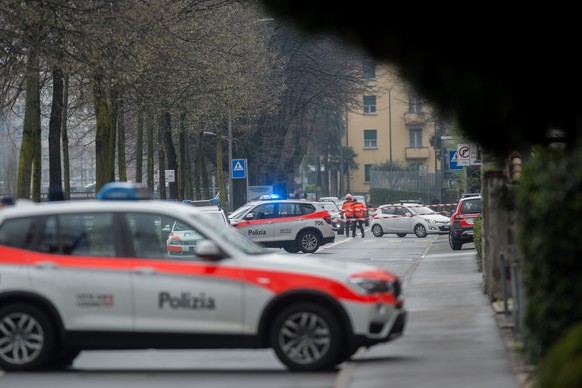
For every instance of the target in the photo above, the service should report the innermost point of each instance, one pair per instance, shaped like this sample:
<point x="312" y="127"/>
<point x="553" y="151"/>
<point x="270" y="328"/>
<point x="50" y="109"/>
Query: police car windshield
<point x="240" y="212"/>
<point x="235" y="239"/>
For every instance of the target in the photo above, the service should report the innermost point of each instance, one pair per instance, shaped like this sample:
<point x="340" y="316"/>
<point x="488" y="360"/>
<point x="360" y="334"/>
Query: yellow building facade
<point x="391" y="124"/>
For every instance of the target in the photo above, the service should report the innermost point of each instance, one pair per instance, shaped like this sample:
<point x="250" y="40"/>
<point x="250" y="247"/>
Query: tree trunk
<point x="139" y="148"/>
<point x="219" y="170"/>
<point x="31" y="127"/>
<point x="114" y="99"/>
<point x="198" y="170"/>
<point x="170" y="151"/>
<point x="151" y="125"/>
<point x="161" y="162"/>
<point x="65" y="139"/>
<point x="182" y="165"/>
<point x="121" y="170"/>
<point x="189" y="189"/>
<point x="55" y="124"/>
<point x="104" y="164"/>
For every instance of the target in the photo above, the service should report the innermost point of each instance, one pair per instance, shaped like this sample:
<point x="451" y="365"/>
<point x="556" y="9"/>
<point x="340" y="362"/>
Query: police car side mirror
<point x="208" y="250"/>
<point x="250" y="216"/>
<point x="166" y="229"/>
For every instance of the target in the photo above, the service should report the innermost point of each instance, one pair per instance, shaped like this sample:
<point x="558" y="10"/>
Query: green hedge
<point x="549" y="211"/>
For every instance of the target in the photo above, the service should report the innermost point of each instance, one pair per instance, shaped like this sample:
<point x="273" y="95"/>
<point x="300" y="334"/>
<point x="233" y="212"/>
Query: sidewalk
<point x="452" y="340"/>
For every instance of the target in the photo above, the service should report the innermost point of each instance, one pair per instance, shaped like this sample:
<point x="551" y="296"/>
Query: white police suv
<point x="94" y="274"/>
<point x="294" y="225"/>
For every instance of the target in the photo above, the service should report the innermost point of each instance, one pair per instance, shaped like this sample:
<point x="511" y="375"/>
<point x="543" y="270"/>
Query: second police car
<point x="93" y="275"/>
<point x="294" y="225"/>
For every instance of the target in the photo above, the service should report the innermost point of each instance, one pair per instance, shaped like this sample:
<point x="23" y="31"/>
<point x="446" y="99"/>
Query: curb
<point x="523" y="371"/>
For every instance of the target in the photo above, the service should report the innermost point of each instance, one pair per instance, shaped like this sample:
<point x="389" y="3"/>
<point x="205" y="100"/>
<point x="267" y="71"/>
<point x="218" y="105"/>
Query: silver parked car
<point x="408" y="218"/>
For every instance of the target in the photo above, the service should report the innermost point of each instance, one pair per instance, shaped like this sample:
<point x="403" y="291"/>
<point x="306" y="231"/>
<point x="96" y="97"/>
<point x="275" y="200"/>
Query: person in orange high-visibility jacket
<point x="347" y="213"/>
<point x="359" y="211"/>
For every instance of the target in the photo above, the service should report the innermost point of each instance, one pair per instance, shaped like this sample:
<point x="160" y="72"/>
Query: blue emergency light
<point x="124" y="191"/>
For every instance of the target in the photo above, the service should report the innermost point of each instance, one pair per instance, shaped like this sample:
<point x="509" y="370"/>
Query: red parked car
<point x="462" y="220"/>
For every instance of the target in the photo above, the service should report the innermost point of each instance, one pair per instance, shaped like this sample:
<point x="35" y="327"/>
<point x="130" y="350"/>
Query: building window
<point x="369" y="70"/>
<point x="367" y="169"/>
<point x="414" y="104"/>
<point x="369" y="104"/>
<point x="415" y="137"/>
<point x="370" y="138"/>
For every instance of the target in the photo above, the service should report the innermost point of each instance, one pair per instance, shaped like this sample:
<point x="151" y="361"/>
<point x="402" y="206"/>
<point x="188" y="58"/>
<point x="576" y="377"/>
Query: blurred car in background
<point x="329" y="199"/>
<point x="334" y="212"/>
<point x="408" y="218"/>
<point x="463" y="219"/>
<point x="295" y="225"/>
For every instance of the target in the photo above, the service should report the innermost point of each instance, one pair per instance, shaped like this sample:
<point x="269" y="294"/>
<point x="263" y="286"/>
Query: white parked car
<point x="408" y="218"/>
<point x="97" y="275"/>
<point x="294" y="225"/>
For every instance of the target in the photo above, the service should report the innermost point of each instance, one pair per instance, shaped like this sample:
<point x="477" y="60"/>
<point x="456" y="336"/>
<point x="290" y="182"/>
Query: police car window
<point x="264" y="211"/>
<point x="286" y="210"/>
<point x="147" y="233"/>
<point x="154" y="236"/>
<point x="82" y="235"/>
<point x="17" y="233"/>
<point x="307" y="208"/>
<point x="390" y="210"/>
<point x="75" y="234"/>
<point x="48" y="240"/>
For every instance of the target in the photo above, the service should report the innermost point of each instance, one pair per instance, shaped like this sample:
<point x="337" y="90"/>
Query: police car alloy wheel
<point x="420" y="231"/>
<point x="26" y="337"/>
<point x="308" y="242"/>
<point x="307" y="337"/>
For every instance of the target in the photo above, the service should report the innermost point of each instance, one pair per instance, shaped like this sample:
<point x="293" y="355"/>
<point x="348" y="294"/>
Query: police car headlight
<point x="175" y="242"/>
<point x="369" y="286"/>
<point x="431" y="221"/>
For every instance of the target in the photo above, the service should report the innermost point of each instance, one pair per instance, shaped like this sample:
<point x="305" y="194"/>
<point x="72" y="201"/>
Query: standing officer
<point x="359" y="211"/>
<point x="347" y="213"/>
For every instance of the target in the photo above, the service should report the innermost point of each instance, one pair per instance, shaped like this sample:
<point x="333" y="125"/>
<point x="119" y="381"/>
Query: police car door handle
<point x="145" y="271"/>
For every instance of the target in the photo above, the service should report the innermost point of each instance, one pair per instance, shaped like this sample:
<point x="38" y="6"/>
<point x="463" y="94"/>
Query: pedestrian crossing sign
<point x="453" y="161"/>
<point x="238" y="168"/>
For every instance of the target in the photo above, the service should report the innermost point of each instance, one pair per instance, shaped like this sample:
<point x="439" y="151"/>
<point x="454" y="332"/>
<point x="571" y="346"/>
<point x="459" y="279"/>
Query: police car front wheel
<point x="307" y="337"/>
<point x="308" y="242"/>
<point x="26" y="338"/>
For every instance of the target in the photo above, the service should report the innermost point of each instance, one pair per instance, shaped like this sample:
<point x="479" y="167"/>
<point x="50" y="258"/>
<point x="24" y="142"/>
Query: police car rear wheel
<point x="308" y="242"/>
<point x="26" y="338"/>
<point x="307" y="337"/>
